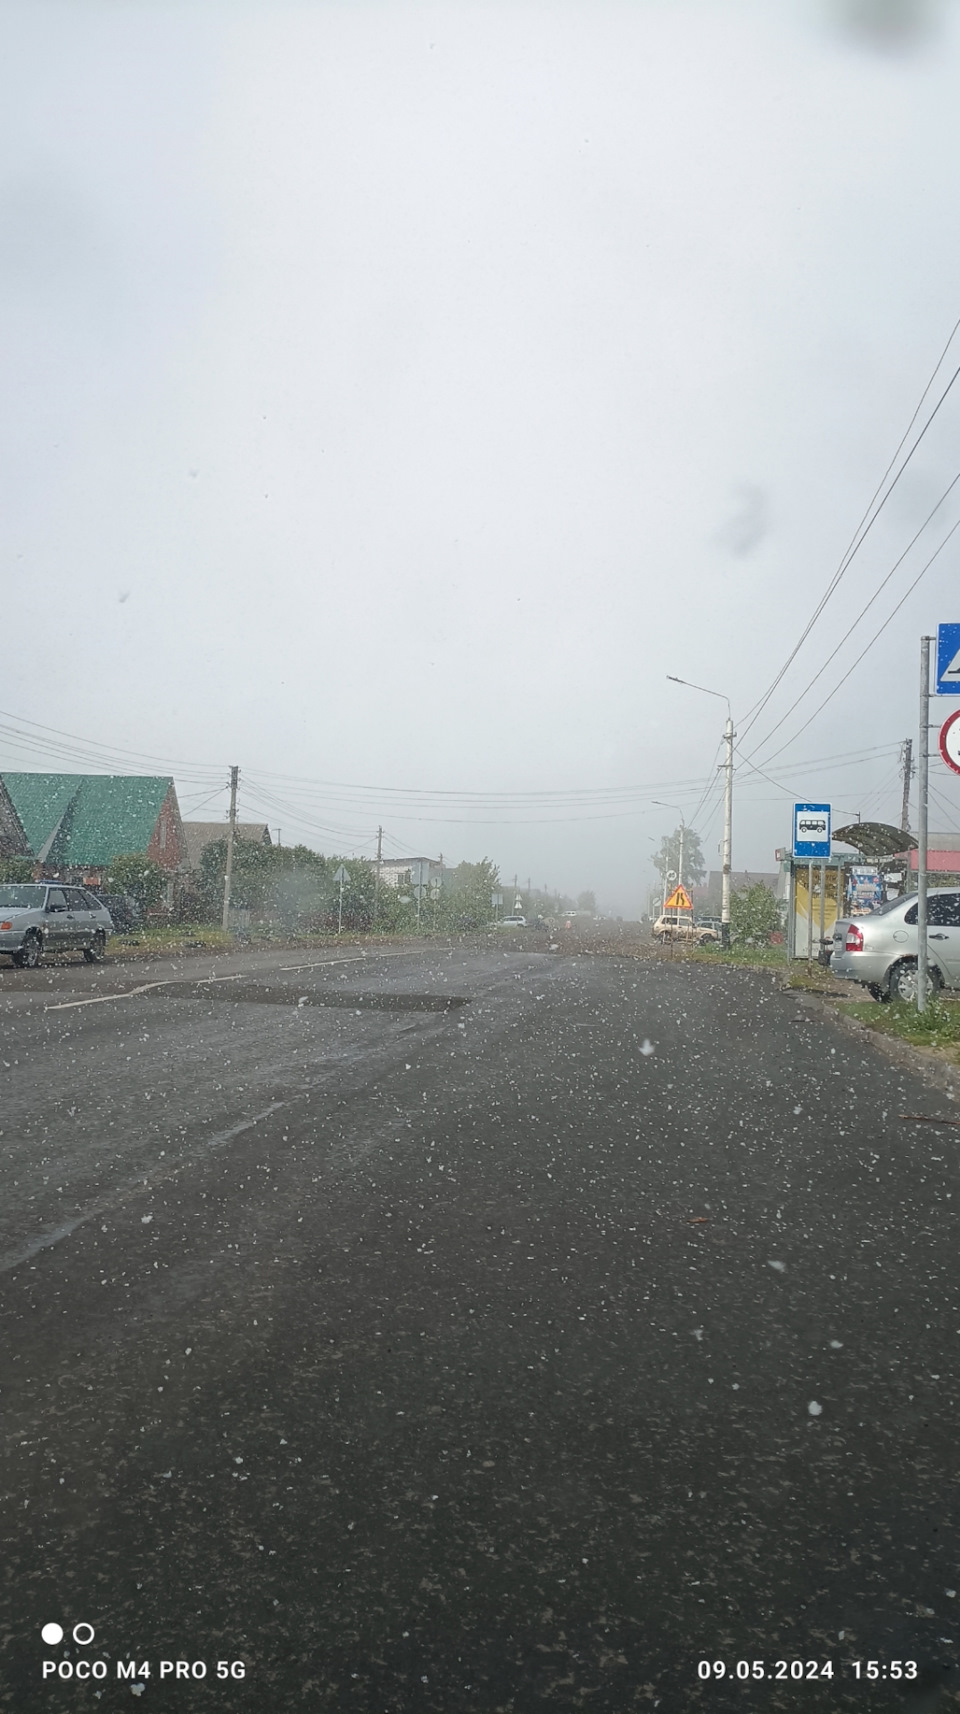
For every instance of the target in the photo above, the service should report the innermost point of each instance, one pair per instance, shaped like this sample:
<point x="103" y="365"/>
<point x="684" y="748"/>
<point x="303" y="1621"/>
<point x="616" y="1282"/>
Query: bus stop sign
<point x="811" y="830"/>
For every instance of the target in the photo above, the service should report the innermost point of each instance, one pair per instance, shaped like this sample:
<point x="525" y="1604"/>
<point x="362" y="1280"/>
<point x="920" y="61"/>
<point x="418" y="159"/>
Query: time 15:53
<point x="877" y="1669"/>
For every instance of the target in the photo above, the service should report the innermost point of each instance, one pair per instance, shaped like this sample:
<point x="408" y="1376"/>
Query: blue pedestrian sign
<point x="811" y="830"/>
<point x="948" y="660"/>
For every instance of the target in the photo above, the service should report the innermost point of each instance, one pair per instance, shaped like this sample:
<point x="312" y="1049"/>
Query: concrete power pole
<point x="231" y="835"/>
<point x="728" y="735"/>
<point x="907" y="772"/>
<point x="923" y="794"/>
<point x="376" y="884"/>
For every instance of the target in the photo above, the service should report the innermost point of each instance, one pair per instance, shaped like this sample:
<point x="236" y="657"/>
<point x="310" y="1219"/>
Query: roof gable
<point x="87" y="819"/>
<point x="41" y="801"/>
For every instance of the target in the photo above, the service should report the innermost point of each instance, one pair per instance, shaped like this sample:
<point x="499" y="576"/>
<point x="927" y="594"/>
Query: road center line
<point x="145" y="987"/>
<point x="207" y="981"/>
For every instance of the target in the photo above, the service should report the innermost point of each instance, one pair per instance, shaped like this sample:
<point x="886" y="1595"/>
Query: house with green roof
<point x="13" y="840"/>
<point x="76" y="824"/>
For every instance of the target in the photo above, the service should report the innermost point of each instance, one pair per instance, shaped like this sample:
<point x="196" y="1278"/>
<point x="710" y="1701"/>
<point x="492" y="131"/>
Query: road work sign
<point x="811" y="830"/>
<point x="679" y="900"/>
<point x="948" y="660"/>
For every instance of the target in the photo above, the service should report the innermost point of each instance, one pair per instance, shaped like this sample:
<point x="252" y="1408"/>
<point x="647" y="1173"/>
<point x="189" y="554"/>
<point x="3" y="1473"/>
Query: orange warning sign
<point x="679" y="900"/>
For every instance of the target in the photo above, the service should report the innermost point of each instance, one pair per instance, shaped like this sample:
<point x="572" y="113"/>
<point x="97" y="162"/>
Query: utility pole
<point x="923" y="770"/>
<point x="376" y="884"/>
<point x="728" y="735"/>
<point x="907" y="773"/>
<point x="683" y="829"/>
<point x="231" y="835"/>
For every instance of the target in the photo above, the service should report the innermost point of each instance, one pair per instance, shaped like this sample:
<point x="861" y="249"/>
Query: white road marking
<point x="145" y="987"/>
<point x="356" y="958"/>
<point x="206" y="981"/>
<point x="324" y="963"/>
<point x="100" y="999"/>
<point x="16" y="1258"/>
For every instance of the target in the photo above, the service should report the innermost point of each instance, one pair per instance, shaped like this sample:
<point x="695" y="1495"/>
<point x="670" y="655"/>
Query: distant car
<point x="123" y="909"/>
<point x="38" y="917"/>
<point x="680" y="925"/>
<point x="512" y="922"/>
<point x="880" y="950"/>
<point x="710" y="922"/>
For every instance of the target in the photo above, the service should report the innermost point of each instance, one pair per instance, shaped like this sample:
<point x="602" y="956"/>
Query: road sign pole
<point x="727" y="834"/>
<point x="823" y="903"/>
<point x="923" y="793"/>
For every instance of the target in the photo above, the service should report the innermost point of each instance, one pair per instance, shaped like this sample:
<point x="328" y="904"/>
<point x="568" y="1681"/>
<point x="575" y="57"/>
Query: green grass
<point x="939" y="1025"/>
<point x="762" y="957"/>
<point x="172" y="937"/>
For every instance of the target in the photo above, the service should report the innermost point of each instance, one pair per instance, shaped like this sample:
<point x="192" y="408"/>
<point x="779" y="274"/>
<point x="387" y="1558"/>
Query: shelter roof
<point x="875" y="838"/>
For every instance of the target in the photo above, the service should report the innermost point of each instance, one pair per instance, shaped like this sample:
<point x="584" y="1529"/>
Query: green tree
<point x="668" y="857"/>
<point x="754" y="915"/>
<point x="466" y="901"/>
<point x="16" y="868"/>
<point x="253" y="868"/>
<point x="300" y="888"/>
<point x="587" y="902"/>
<point x="139" y="876"/>
<point x="358" y="892"/>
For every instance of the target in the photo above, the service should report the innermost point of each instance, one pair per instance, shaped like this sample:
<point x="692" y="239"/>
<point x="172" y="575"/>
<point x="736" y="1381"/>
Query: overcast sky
<point x="393" y="394"/>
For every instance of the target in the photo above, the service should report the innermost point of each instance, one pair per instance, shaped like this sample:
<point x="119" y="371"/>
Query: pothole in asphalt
<point x="260" y="994"/>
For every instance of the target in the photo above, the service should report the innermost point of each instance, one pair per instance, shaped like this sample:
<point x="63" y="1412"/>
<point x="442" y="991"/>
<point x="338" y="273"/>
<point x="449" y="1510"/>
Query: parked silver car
<point x="880" y="950"/>
<point x="38" y="917"/>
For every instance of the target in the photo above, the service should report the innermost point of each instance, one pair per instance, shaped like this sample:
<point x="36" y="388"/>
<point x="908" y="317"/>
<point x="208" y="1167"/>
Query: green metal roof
<point x="92" y="817"/>
<point x="40" y="800"/>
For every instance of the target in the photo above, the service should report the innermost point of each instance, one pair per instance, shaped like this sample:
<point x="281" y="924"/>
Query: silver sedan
<point x="39" y="916"/>
<point x="880" y="950"/>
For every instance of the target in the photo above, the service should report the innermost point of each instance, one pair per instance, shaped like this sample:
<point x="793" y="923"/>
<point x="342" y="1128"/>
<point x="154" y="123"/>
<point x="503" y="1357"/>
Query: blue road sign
<point x="948" y="660"/>
<point x="811" y="830"/>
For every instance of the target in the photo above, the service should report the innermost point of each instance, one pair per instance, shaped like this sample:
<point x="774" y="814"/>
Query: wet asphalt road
<point x="408" y="1331"/>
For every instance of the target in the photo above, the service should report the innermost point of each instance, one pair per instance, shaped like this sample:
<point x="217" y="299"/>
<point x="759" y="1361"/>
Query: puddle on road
<point x="260" y="994"/>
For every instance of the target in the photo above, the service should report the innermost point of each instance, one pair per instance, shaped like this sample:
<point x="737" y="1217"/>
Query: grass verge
<point x="172" y="938"/>
<point x="938" y="1026"/>
<point x="760" y="957"/>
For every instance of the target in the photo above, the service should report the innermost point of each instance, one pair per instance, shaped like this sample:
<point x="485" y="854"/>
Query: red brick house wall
<point x="167" y="844"/>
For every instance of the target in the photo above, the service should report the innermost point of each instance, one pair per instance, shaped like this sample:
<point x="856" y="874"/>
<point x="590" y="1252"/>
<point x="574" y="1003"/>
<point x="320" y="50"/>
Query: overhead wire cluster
<point x="332" y="808"/>
<point x="897" y="466"/>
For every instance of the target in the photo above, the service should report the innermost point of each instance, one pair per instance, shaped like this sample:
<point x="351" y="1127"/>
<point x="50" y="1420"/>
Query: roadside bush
<point x="754" y="916"/>
<point x="139" y="876"/>
<point x="16" y="868"/>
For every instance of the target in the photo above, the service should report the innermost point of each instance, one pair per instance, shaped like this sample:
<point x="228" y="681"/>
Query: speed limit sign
<point x="950" y="742"/>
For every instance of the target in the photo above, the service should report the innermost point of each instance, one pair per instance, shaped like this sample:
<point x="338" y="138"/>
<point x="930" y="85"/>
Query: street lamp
<point x="728" y="735"/>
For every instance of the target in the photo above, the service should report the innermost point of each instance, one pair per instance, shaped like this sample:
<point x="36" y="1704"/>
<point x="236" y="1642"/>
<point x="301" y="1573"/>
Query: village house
<point x="74" y="825"/>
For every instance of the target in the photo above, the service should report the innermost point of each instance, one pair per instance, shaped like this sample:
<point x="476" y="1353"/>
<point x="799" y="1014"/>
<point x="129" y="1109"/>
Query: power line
<point x="69" y="744"/>
<point x="862" y="530"/>
<point x="947" y="809"/>
<point x="877" y="634"/>
<point x="863" y="611"/>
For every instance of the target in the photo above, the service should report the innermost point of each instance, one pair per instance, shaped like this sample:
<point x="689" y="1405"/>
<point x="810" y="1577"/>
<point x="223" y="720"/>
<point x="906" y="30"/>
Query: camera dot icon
<point x="52" y="1634"/>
